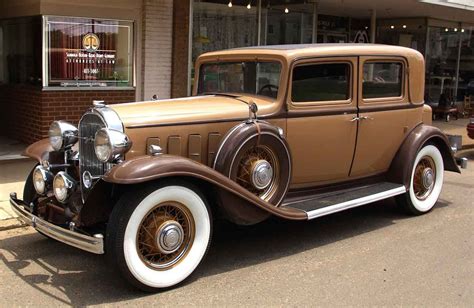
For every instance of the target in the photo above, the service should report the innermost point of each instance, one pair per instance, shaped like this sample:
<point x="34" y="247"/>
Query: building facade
<point x="56" y="57"/>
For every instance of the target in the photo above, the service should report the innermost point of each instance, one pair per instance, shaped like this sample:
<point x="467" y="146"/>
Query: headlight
<point x="63" y="185"/>
<point x="109" y="144"/>
<point x="42" y="179"/>
<point x="62" y="134"/>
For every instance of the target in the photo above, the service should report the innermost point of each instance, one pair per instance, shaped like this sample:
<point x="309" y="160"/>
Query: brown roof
<point x="303" y="50"/>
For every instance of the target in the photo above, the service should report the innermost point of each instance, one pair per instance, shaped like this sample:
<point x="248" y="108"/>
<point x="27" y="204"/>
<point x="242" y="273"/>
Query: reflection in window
<point x="441" y="62"/>
<point x="20" y="50"/>
<point x="85" y="52"/>
<point x="261" y="78"/>
<point x="382" y="79"/>
<point x="321" y="82"/>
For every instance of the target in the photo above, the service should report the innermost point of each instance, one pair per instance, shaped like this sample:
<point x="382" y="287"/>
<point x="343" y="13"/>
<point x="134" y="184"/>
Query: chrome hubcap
<point x="262" y="174"/>
<point x="428" y="178"/>
<point x="169" y="236"/>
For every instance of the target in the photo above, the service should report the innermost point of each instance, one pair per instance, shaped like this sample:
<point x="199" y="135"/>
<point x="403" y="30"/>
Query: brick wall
<point x="20" y="114"/>
<point x="27" y="111"/>
<point x="179" y="81"/>
<point x="157" y="41"/>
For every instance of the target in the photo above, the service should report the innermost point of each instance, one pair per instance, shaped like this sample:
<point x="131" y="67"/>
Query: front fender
<point x="148" y="168"/>
<point x="39" y="150"/>
<point x="400" y="169"/>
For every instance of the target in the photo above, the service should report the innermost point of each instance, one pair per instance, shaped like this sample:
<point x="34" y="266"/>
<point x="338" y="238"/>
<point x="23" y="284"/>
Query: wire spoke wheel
<point x="424" y="178"/>
<point x="259" y="171"/>
<point x="165" y="235"/>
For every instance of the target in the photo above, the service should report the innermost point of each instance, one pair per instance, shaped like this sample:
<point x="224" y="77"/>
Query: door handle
<point x="361" y="118"/>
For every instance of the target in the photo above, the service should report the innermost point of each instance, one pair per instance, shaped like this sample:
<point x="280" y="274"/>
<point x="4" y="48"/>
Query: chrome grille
<point x="88" y="126"/>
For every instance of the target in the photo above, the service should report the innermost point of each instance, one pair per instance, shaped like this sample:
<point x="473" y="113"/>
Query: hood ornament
<point x="98" y="103"/>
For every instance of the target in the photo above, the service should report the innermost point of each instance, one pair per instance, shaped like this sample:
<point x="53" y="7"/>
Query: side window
<point x="382" y="79"/>
<point x="321" y="82"/>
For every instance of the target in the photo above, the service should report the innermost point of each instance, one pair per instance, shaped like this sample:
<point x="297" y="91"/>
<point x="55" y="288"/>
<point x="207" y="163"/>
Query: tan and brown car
<point x="296" y="132"/>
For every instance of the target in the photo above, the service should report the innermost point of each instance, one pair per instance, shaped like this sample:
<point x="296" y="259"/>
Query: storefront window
<point x="85" y="52"/>
<point x="409" y="33"/>
<point x="217" y="26"/>
<point x="287" y="24"/>
<point x="221" y="25"/>
<point x="466" y="66"/>
<point x="332" y="29"/>
<point x="441" y="64"/>
<point x="20" y="54"/>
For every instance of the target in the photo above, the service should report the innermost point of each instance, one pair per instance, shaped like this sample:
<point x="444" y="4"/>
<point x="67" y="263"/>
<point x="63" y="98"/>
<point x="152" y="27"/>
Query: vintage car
<point x="293" y="131"/>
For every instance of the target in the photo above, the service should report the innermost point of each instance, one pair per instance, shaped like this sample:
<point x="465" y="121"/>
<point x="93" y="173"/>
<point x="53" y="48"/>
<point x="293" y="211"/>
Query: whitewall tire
<point x="158" y="237"/>
<point x="426" y="181"/>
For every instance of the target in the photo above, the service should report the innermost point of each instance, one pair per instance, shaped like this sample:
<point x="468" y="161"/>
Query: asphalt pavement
<point x="372" y="255"/>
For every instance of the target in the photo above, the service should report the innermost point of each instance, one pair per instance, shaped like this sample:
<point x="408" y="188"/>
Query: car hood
<point x="206" y="108"/>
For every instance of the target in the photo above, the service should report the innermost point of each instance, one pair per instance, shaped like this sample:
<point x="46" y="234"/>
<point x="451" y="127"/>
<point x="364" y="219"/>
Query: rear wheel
<point x="426" y="181"/>
<point x="158" y="236"/>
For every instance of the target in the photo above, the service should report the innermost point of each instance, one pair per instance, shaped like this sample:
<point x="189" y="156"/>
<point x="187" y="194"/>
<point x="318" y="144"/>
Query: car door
<point x="322" y="101"/>
<point x="382" y="120"/>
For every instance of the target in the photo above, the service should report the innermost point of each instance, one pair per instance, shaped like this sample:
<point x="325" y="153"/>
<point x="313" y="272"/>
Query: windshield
<point x="251" y="77"/>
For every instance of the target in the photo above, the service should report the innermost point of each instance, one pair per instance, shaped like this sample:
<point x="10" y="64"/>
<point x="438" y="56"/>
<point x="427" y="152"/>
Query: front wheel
<point x="158" y="236"/>
<point x="426" y="181"/>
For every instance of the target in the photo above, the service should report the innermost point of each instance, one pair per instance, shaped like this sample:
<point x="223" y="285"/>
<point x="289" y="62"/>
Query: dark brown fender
<point x="42" y="150"/>
<point x="400" y="169"/>
<point x="39" y="150"/>
<point x="147" y="168"/>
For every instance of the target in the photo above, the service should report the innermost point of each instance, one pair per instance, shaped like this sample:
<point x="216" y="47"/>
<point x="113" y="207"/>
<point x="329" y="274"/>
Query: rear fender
<point x="400" y="169"/>
<point x="241" y="202"/>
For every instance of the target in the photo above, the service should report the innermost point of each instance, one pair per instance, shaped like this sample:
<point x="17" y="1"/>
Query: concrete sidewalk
<point x="12" y="176"/>
<point x="456" y="127"/>
<point x="14" y="172"/>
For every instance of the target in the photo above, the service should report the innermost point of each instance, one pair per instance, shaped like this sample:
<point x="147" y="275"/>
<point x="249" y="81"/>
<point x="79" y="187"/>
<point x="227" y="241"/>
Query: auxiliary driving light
<point x="63" y="186"/>
<point x="42" y="180"/>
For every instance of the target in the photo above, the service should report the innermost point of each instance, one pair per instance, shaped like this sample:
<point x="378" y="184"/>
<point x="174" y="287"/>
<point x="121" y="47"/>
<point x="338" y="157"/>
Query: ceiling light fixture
<point x="404" y="26"/>
<point x="462" y="30"/>
<point x="455" y="29"/>
<point x="392" y="27"/>
<point x="230" y="4"/>
<point x="446" y="30"/>
<point x="249" y="6"/>
<point x="287" y="10"/>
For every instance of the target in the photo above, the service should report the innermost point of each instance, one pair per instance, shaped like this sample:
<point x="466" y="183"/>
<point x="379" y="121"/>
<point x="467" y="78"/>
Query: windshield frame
<point x="242" y="58"/>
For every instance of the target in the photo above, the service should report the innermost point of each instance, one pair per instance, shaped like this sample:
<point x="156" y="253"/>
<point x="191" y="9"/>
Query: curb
<point x="11" y="223"/>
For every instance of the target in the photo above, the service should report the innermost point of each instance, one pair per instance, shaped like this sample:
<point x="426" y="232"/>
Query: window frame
<point x="388" y="99"/>
<point x="202" y="60"/>
<point x="350" y="61"/>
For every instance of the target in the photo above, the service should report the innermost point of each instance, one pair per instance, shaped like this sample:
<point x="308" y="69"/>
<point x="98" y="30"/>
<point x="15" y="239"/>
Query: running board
<point x="337" y="201"/>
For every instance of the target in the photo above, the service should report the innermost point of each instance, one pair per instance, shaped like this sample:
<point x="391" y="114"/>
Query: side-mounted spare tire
<point x="256" y="156"/>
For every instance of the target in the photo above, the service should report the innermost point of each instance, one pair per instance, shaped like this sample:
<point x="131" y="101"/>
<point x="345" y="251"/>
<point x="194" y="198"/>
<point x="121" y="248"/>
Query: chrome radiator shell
<point x="92" y="121"/>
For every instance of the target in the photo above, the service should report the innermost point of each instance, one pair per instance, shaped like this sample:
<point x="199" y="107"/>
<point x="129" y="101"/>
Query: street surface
<point x="373" y="255"/>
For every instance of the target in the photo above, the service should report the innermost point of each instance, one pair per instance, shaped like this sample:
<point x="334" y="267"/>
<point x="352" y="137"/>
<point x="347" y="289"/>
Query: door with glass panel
<point x="322" y="101"/>
<point x="382" y="118"/>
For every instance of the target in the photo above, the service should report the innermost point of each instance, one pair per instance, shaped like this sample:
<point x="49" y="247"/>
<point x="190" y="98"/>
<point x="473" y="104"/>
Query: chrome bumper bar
<point x="94" y="244"/>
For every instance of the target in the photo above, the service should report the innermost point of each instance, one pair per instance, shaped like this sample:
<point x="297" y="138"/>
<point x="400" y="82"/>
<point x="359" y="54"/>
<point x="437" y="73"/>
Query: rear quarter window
<point x="382" y="79"/>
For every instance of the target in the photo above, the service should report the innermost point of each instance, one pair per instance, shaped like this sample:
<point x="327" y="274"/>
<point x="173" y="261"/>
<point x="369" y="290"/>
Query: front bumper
<point x="94" y="244"/>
